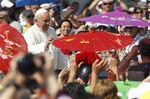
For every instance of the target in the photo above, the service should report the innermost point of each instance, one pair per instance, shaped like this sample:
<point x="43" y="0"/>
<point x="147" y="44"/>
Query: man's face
<point x="132" y="31"/>
<point x="43" y="21"/>
<point x="138" y="14"/>
<point x="107" y="5"/>
<point x="29" y="19"/>
<point x="34" y="8"/>
<point x="148" y="3"/>
<point x="54" y="12"/>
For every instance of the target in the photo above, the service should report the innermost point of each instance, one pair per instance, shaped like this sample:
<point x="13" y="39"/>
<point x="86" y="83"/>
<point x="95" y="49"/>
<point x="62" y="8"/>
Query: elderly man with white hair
<point x="40" y="36"/>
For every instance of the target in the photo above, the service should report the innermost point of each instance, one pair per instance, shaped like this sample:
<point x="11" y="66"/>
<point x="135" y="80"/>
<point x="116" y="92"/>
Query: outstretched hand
<point x="72" y="63"/>
<point x="97" y="67"/>
<point x="64" y="72"/>
<point x="48" y="42"/>
<point x="73" y="68"/>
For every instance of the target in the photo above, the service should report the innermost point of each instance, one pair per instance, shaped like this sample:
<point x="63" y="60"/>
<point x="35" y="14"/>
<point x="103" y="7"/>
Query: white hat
<point x="6" y="3"/>
<point x="100" y="24"/>
<point x="45" y="5"/>
<point x="39" y="12"/>
<point x="89" y="24"/>
<point x="100" y="3"/>
<point x="131" y="9"/>
<point x="66" y="12"/>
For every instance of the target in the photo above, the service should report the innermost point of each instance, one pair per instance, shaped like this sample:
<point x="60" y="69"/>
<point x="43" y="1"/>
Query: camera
<point x="103" y="74"/>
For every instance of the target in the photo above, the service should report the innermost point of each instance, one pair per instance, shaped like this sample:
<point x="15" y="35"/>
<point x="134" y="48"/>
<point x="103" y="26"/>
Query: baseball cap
<point x="54" y="5"/>
<point x="6" y="3"/>
<point x="28" y="13"/>
<point x="100" y="24"/>
<point x="102" y="1"/>
<point x="66" y="12"/>
<point x="131" y="9"/>
<point x="45" y="4"/>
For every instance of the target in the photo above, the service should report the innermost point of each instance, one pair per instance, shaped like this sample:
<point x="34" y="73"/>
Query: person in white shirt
<point x="39" y="38"/>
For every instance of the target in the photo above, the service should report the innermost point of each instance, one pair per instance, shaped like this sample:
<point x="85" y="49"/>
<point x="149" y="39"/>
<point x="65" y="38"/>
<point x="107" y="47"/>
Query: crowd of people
<point x="48" y="72"/>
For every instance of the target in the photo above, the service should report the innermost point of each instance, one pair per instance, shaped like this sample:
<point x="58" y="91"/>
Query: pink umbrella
<point x="116" y="18"/>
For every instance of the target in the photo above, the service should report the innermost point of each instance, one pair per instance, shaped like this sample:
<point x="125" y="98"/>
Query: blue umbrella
<point x="20" y="3"/>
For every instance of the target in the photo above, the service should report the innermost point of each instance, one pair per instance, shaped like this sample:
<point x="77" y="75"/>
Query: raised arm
<point x="125" y="63"/>
<point x="73" y="68"/>
<point x="93" y="5"/>
<point x="96" y="68"/>
<point x="61" y="76"/>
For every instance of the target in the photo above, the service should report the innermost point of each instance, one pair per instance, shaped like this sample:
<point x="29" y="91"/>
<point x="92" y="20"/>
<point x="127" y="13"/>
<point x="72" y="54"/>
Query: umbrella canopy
<point x="12" y="42"/>
<point x="93" y="41"/>
<point x="20" y="3"/>
<point x="116" y="18"/>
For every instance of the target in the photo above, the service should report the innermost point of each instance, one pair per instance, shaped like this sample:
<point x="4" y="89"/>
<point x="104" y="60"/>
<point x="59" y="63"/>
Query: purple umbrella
<point x="116" y="18"/>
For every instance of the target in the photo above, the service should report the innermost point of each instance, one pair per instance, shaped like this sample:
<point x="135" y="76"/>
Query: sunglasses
<point x="138" y="12"/>
<point x="125" y="11"/>
<point x="30" y="16"/>
<point x="55" y="8"/>
<point x="107" y="3"/>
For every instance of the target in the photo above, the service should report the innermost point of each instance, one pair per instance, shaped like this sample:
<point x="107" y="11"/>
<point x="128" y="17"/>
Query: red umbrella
<point x="12" y="42"/>
<point x="93" y="41"/>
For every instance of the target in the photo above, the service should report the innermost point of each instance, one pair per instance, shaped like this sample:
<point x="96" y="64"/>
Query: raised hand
<point x="61" y="77"/>
<point x="73" y="68"/>
<point x="64" y="72"/>
<point x="48" y="42"/>
<point x="72" y="63"/>
<point x="97" y="67"/>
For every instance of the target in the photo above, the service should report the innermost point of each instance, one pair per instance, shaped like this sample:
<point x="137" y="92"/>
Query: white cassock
<point x="36" y="39"/>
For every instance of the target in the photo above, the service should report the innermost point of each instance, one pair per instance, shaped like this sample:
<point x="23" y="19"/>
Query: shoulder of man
<point x="139" y="72"/>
